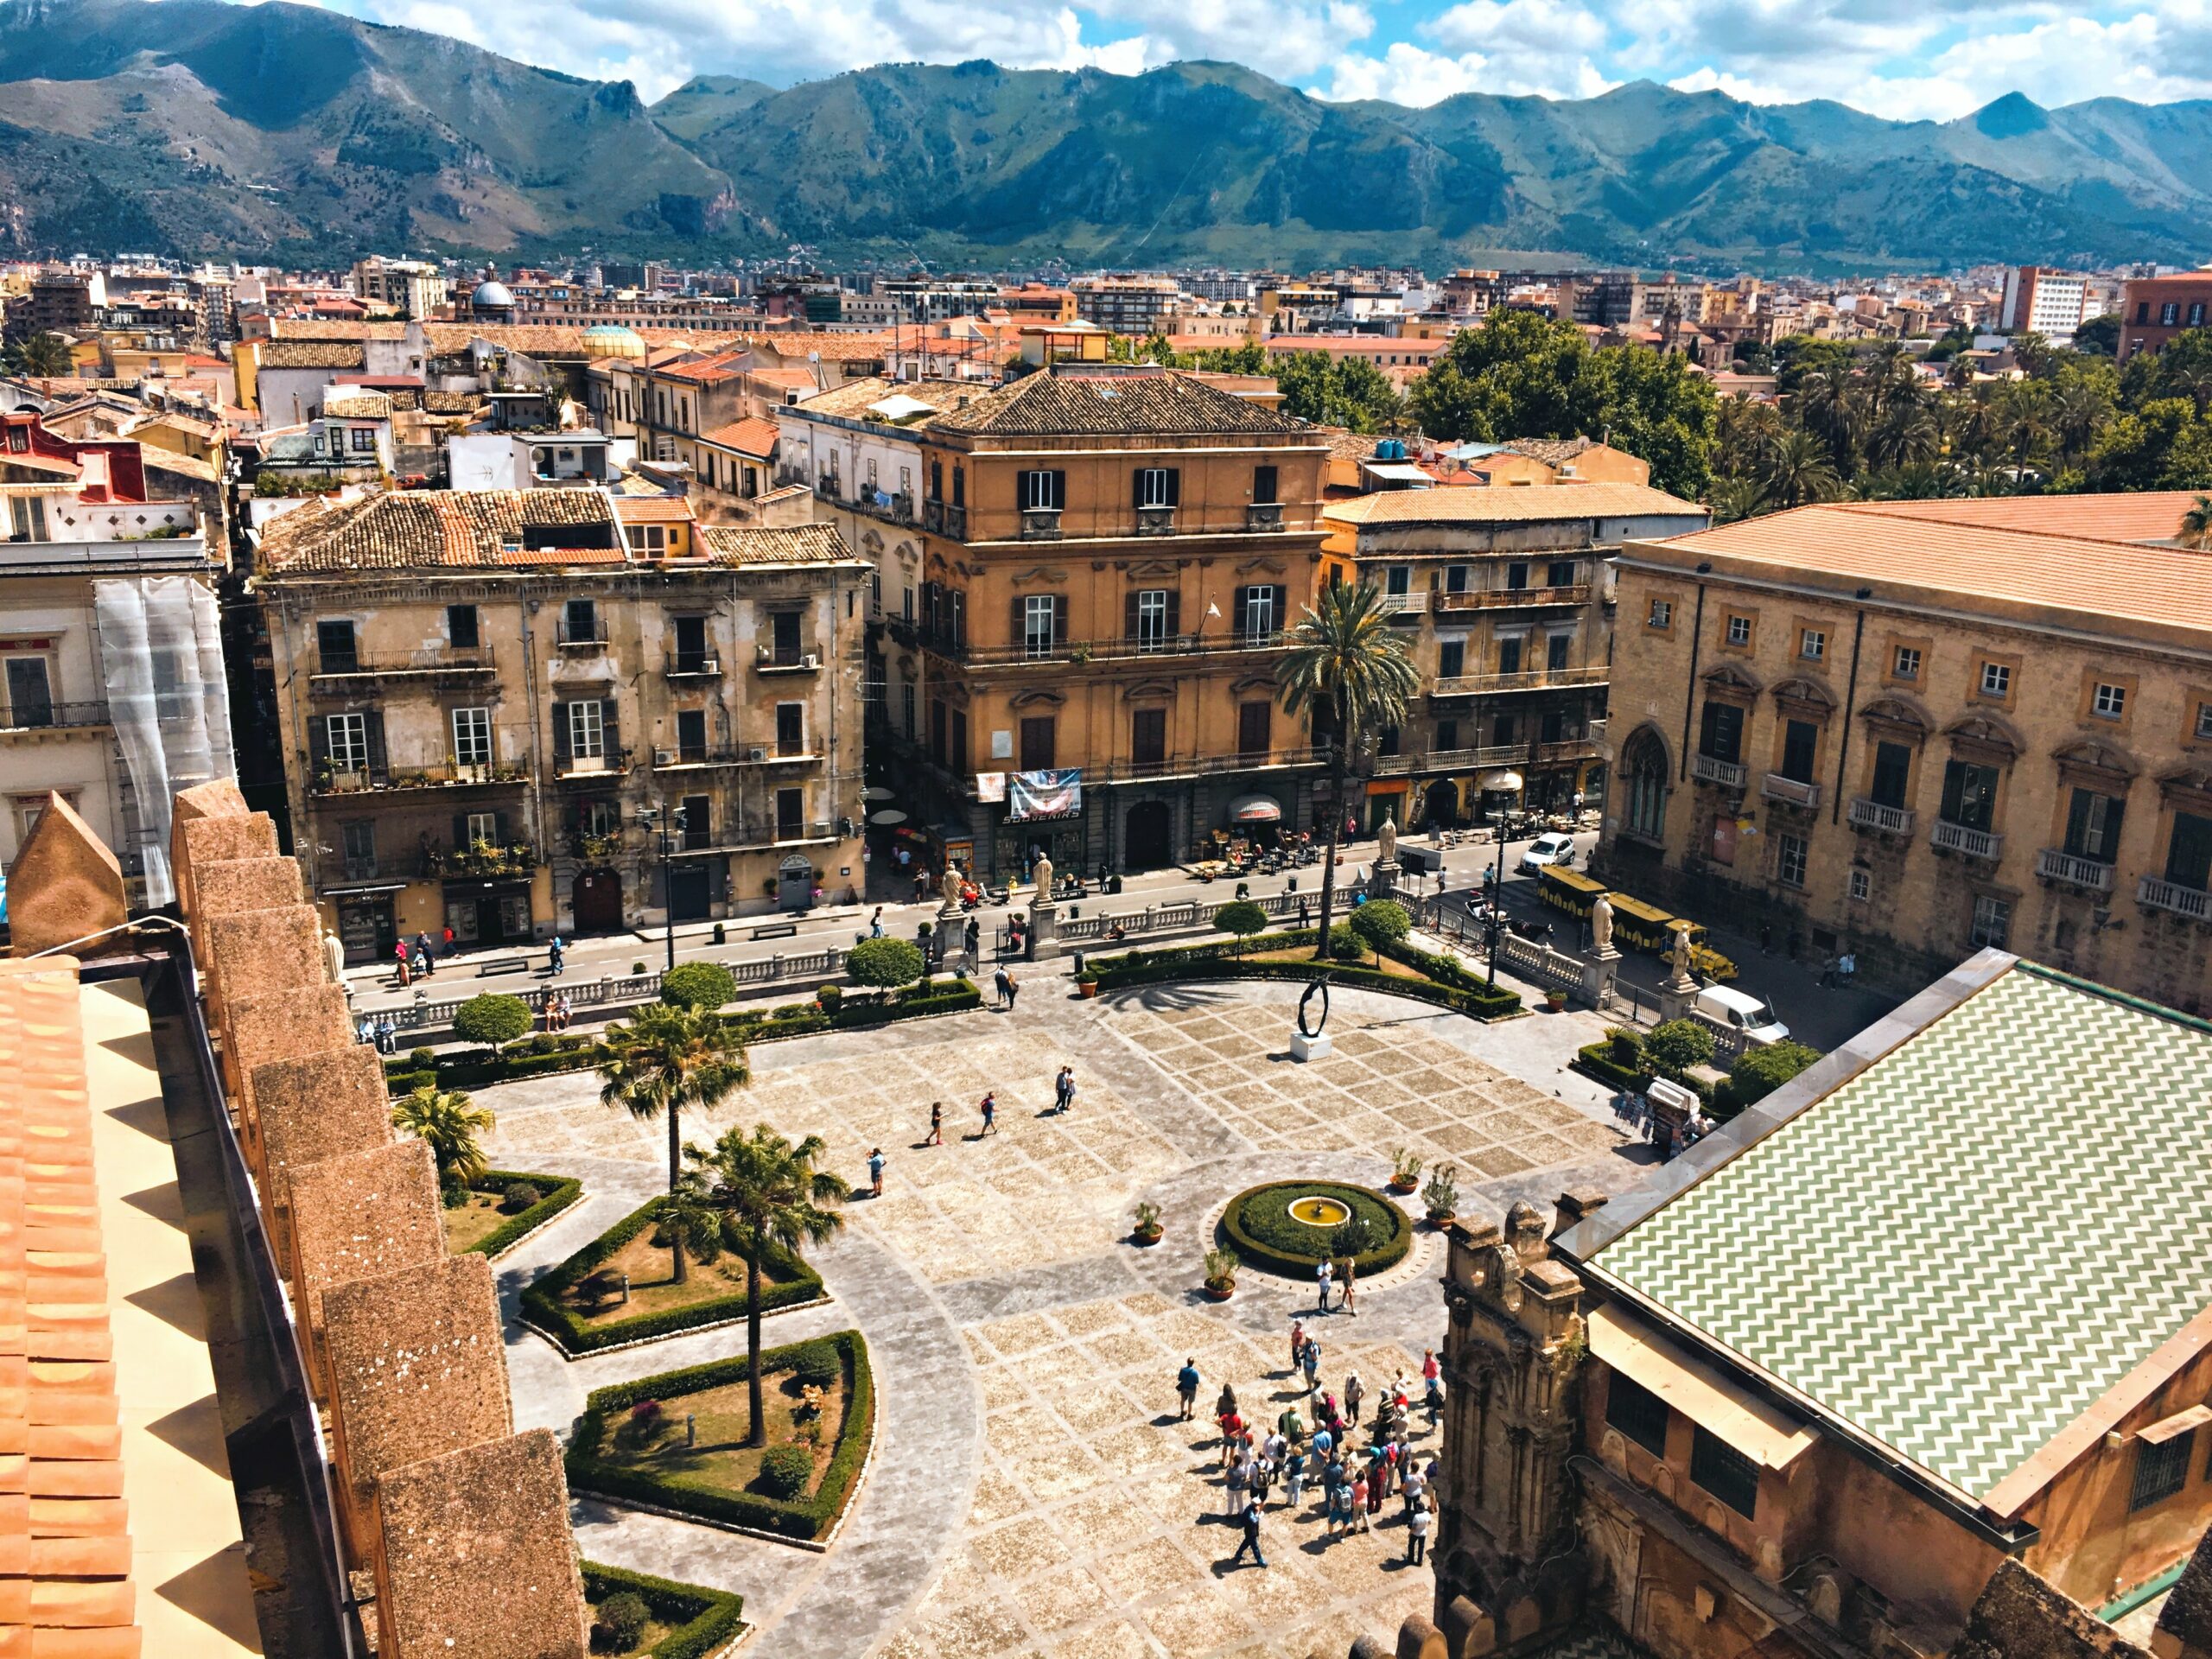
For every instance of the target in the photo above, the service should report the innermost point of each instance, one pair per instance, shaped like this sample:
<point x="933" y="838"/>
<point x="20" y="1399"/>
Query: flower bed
<point x="1445" y="981"/>
<point x="1261" y="1229"/>
<point x="702" y="1622"/>
<point x="559" y="1192"/>
<point x="696" y="1490"/>
<point x="544" y="1308"/>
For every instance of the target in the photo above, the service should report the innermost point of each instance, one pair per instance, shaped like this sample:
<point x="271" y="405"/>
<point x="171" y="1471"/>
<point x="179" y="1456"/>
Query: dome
<point x="492" y="296"/>
<point x="612" y="339"/>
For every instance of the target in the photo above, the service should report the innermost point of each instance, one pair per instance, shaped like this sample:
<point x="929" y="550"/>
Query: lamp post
<point x="1504" y="781"/>
<point x="652" y="818"/>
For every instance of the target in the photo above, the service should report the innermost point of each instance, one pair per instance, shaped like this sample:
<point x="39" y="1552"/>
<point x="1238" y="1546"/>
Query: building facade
<point x="1914" y="729"/>
<point x="2153" y="310"/>
<point x="481" y="695"/>
<point x="2037" y="300"/>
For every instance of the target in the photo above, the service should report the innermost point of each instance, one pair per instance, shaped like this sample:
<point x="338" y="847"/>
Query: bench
<point x="502" y="965"/>
<point x="775" y="930"/>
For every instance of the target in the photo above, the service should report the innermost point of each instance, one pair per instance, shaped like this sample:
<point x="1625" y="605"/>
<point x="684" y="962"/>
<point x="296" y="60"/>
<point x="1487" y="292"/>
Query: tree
<point x="698" y="985"/>
<point x="664" y="1060"/>
<point x="491" y="1018"/>
<point x="1348" y="672"/>
<point x="2196" y="525"/>
<point x="1244" y="918"/>
<point x="1677" y="1046"/>
<point x="448" y="1123"/>
<point x="769" y="1192"/>
<point x="41" y="356"/>
<point x="1758" y="1072"/>
<point x="1379" y="923"/>
<point x="1796" y="471"/>
<point x="2100" y="335"/>
<point x="887" y="963"/>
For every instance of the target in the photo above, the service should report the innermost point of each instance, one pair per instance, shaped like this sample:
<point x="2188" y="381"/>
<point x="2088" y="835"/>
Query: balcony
<point x="481" y="858"/>
<point x="572" y="639"/>
<point x="1041" y="524"/>
<point x="594" y="849"/>
<point x="1263" y="516"/>
<point x="1155" y="521"/>
<point x="1079" y="652"/>
<point x="732" y="755"/>
<point x="693" y="665"/>
<point x="1431" y="762"/>
<point x="611" y="763"/>
<point x="1534" y="679"/>
<point x="1711" y="769"/>
<point x="1872" y="815"/>
<point x="1949" y="837"/>
<point x="775" y="659"/>
<point x="2056" y="864"/>
<point x="1389" y="604"/>
<point x="1789" y="792"/>
<point x="350" y="676"/>
<point x="2175" y="900"/>
<point x="30" y="714"/>
<point x="1199" y="766"/>
<point x="1512" y="598"/>
<point x="945" y="519"/>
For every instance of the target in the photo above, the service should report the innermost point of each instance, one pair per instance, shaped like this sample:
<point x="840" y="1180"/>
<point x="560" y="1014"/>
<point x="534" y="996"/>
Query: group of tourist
<point x="419" y="960"/>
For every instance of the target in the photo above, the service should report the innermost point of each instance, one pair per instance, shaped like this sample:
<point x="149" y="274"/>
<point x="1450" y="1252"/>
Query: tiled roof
<point x="789" y="379"/>
<point x="1075" y="405"/>
<point x="1345" y="445"/>
<point x="431" y="530"/>
<point x="324" y="328"/>
<point x="312" y="354"/>
<point x="158" y="459"/>
<point x="705" y="370"/>
<point x="1553" y="451"/>
<point x="2144" y="516"/>
<point x="750" y="436"/>
<point x="1511" y="504"/>
<point x="836" y="348"/>
<point x="452" y="402"/>
<point x="854" y="398"/>
<point x="795" y="544"/>
<point x="652" y="509"/>
<point x="359" y="406"/>
<point x="1950" y="1250"/>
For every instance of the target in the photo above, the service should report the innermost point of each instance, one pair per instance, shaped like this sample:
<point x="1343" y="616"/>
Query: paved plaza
<point x="1030" y="1491"/>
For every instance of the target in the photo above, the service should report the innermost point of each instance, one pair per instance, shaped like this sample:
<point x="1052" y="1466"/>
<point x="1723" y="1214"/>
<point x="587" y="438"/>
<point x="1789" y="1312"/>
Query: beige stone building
<point x="482" y="693"/>
<point x="1913" y="729"/>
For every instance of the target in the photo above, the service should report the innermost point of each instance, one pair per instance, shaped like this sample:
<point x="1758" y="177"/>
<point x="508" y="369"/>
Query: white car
<point x="1746" y="1012"/>
<point x="1556" y="847"/>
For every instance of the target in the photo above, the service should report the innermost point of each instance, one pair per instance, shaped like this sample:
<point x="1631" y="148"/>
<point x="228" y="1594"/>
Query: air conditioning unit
<point x="813" y="661"/>
<point x="663" y="757"/>
<point x="757" y="754"/>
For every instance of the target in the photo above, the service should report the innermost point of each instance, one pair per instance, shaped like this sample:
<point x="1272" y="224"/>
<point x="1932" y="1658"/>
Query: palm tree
<point x="1350" y="675"/>
<point x="41" y="356"/>
<point x="2196" y="525"/>
<point x="448" y="1121"/>
<point x="666" y="1060"/>
<point x="1796" y="470"/>
<point x="2079" y="411"/>
<point x="768" y="1191"/>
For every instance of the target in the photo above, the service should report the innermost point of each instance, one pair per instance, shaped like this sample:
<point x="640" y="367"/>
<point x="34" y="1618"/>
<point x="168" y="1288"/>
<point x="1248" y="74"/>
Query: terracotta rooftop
<point x="833" y="348"/>
<point x="856" y="398"/>
<point x="1534" y="504"/>
<point x="320" y="328"/>
<point x="750" y="436"/>
<point x="434" y="530"/>
<point x="359" y="406"/>
<point x="2143" y="516"/>
<point x="652" y="509"/>
<point x="1076" y="405"/>
<point x="796" y="544"/>
<point x="312" y="354"/>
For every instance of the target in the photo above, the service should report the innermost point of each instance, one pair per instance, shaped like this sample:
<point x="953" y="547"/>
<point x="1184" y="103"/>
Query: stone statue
<point x="1601" y="923"/>
<point x="1043" y="872"/>
<point x="1386" y="840"/>
<point x="1681" y="954"/>
<point x="333" y="957"/>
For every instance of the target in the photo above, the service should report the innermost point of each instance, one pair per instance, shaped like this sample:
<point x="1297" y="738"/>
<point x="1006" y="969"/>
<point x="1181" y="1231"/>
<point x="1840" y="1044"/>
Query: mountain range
<point x="199" y="127"/>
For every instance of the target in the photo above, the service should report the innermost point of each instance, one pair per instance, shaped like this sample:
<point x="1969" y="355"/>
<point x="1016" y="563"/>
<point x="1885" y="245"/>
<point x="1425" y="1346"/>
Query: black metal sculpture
<point x="1320" y="986"/>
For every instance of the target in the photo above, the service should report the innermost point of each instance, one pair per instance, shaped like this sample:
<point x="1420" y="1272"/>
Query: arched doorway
<point x="596" y="899"/>
<point x="1148" y="839"/>
<point x="1643" y="795"/>
<point x="1442" y="805"/>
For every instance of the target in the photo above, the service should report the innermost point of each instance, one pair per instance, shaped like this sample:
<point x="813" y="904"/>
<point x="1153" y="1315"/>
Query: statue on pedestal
<point x="1681" y="955"/>
<point x="1043" y="873"/>
<point x="1601" y="923"/>
<point x="1386" y="840"/>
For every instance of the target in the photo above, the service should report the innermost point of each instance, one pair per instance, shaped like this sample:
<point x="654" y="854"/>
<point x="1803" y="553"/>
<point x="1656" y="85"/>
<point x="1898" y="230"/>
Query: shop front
<point x="367" y="923"/>
<point x="1386" y="798"/>
<point x="491" y="912"/>
<point x="1044" y="819"/>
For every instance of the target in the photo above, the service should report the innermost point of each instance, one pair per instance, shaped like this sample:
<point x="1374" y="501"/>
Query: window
<point x="2196" y="314"/>
<point x="649" y="538"/>
<point x="907" y="710"/>
<point x="1043" y="491"/>
<point x="1559" y="573"/>
<point x="1398" y="580"/>
<point x="2204" y="720"/>
<point x="937" y="481"/>
<point x="1812" y="644"/>
<point x="1892" y="774"/>
<point x="1720" y="732"/>
<point x="1556" y="647"/>
<point x="1969" y="794"/>
<point x="2108" y="701"/>
<point x="1739" y="630"/>
<point x="580" y="622"/>
<point x="696" y="821"/>
<point x="790" y="729"/>
<point x="1993" y="921"/>
<point x="1158" y="486"/>
<point x="471" y="737"/>
<point x="1037" y="743"/>
<point x="359" y="838"/>
<point x="1451" y="658"/>
<point x="461" y="627"/>
<point x="2093" y="826"/>
<point x="480" y="826"/>
<point x="587" y="730"/>
<point x="2188" y="852"/>
<point x="1149" y="736"/>
<point x="1720" y="1469"/>
<point x="1640" y="1414"/>
<point x="1860" y="887"/>
<point x="1260" y="611"/>
<point x="348" y="736"/>
<point x="1662" y="615"/>
<point x="30" y="693"/>
<point x="1455" y="579"/>
<point x="1255" y="723"/>
<point x="1996" y="680"/>
<point x="1040" y="624"/>
<point x="790" y="814"/>
<point x="691" y="736"/>
<point x="1516" y="576"/>
<point x="1789" y="860"/>
<point x="2160" y="1469"/>
<point x="1151" y="618"/>
<point x="1801" y="740"/>
<point x="2170" y="314"/>
<point x="1907" y="665"/>
<point x="1264" y="487"/>
<point x="363" y="439"/>
<point x="1447" y="736"/>
<point x="959" y="486"/>
<point x="336" y="648"/>
<point x="1645" y="804"/>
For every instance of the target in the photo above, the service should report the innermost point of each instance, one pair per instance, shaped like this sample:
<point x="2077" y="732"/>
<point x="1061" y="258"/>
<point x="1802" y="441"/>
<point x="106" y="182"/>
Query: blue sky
<point x="1906" y="59"/>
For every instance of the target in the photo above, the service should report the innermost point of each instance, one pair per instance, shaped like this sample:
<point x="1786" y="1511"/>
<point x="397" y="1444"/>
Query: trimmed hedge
<point x="1449" y="984"/>
<point x="802" y="1517"/>
<point x="706" y="1620"/>
<point x="541" y="1298"/>
<point x="1597" y="1061"/>
<point x="1259" y="1224"/>
<point x="561" y="1192"/>
<point x="547" y="1053"/>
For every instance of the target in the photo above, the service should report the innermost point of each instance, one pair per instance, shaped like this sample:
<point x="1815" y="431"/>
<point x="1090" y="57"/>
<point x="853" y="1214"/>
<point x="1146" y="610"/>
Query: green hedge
<point x="1451" y="986"/>
<point x="541" y="1298"/>
<point x="805" y="1518"/>
<point x="706" y="1620"/>
<point x="538" y="1056"/>
<point x="1597" y="1061"/>
<point x="561" y="1192"/>
<point x="1259" y="1224"/>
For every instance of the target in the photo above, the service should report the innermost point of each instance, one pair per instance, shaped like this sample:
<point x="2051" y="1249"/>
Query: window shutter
<point x="499" y="827"/>
<point x="560" y="734"/>
<point x="1175" y="613"/>
<point x="1282" y="606"/>
<point x="1174" y="487"/>
<point x="319" y="741"/>
<point x="1236" y="610"/>
<point x="612" y="738"/>
<point x="372" y="723"/>
<point x="1136" y="487"/>
<point x="1020" y="634"/>
<point x="460" y="832"/>
<point x="1060" y="490"/>
<point x="1060" y="619"/>
<point x="1129" y="614"/>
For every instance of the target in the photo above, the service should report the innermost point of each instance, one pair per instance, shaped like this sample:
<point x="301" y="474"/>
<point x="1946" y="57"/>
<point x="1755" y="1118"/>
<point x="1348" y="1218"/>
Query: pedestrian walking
<point x="423" y="954"/>
<point x="1433" y="1402"/>
<point x="1355" y="1391"/>
<point x="1003" y="982"/>
<point x="1063" y="1090"/>
<point x="876" y="924"/>
<point x="975" y="937"/>
<point x="875" y="1173"/>
<point x="445" y="940"/>
<point x="1232" y="1430"/>
<point x="1252" y="1541"/>
<point x="556" y="956"/>
<point x="1303" y="919"/>
<point x="1312" y="1365"/>
<point x="1262" y="1473"/>
<point x="990" y="1114"/>
<point x="1322" y="1274"/>
<point x="1350" y="1268"/>
<point x="1297" y="1343"/>
<point x="1293" y="1478"/>
<point x="1411" y="1486"/>
<point x="1186" y="1388"/>
<point x="1226" y="1402"/>
<point x="399" y="955"/>
<point x="1013" y="989"/>
<point x="1417" y="1534"/>
<point x="1290" y="1425"/>
<point x="937" y="1123"/>
<point x="1236" y="1487"/>
<point x="1358" y="1503"/>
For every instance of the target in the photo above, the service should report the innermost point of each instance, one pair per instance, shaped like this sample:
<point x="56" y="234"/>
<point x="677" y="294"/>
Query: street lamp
<point x="1504" y="781"/>
<point x="650" y="818"/>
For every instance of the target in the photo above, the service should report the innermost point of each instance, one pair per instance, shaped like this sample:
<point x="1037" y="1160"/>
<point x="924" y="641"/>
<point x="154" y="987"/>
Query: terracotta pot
<point x="1148" y="1239"/>
<point x="1086" y="988"/>
<point x="1443" y="1221"/>
<point x="1221" y="1292"/>
<point x="1398" y="1186"/>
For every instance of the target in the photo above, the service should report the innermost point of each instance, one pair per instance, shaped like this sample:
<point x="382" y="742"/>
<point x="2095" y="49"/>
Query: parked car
<point x="1743" y="1012"/>
<point x="1555" y="848"/>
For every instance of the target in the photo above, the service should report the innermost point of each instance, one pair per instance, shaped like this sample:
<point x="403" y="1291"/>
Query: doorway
<point x="688" y="891"/>
<point x="1443" y="803"/>
<point x="596" y="899"/>
<point x="1149" y="838"/>
<point x="795" y="884"/>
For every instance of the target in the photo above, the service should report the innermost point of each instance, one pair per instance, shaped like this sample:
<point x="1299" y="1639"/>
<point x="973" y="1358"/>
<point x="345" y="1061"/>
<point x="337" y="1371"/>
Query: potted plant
<point x="1221" y="1275"/>
<point x="1086" y="983"/>
<point x="1148" y="1230"/>
<point x="1555" y="999"/>
<point x="1405" y="1169"/>
<point x="1440" y="1197"/>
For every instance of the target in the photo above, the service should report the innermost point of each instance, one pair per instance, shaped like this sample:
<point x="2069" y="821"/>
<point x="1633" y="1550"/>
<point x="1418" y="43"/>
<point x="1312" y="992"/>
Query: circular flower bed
<point x="1261" y="1227"/>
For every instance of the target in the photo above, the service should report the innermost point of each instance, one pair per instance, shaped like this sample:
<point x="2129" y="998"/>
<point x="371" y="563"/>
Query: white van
<point x="1743" y="1011"/>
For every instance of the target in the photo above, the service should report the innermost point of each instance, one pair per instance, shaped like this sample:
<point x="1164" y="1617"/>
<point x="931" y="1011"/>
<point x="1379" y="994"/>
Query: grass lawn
<point x="652" y="1290"/>
<point x="474" y="1222"/>
<point x="1303" y="953"/>
<point x="720" y="1459"/>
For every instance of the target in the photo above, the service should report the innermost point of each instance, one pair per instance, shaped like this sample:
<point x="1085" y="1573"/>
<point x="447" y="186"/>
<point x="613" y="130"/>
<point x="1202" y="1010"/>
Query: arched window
<point x="1643" y="784"/>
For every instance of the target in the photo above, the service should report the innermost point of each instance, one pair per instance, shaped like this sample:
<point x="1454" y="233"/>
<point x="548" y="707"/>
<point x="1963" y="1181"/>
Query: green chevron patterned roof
<point x="1962" y="1247"/>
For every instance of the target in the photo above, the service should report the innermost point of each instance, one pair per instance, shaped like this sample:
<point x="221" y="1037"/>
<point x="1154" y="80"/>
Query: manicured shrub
<point x="491" y="1018"/>
<point x="1259" y="1224"/>
<point x="785" y="1471"/>
<point x="1244" y="918"/>
<point x="423" y="1059"/>
<point x="519" y="1197"/>
<point x="703" y="1622"/>
<point x="1676" y="1047"/>
<point x="819" y="1365"/>
<point x="886" y="962"/>
<point x="698" y="985"/>
<point x="620" y="1621"/>
<point x="1758" y="1072"/>
<point x="556" y="1193"/>
<point x="453" y="1195"/>
<point x="1382" y="924"/>
<point x="829" y="998"/>
<point x="1343" y="944"/>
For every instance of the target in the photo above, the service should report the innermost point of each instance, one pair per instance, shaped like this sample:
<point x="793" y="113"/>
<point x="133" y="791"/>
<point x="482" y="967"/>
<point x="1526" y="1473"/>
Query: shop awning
<point x="1255" y="809"/>
<point x="1702" y="1394"/>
